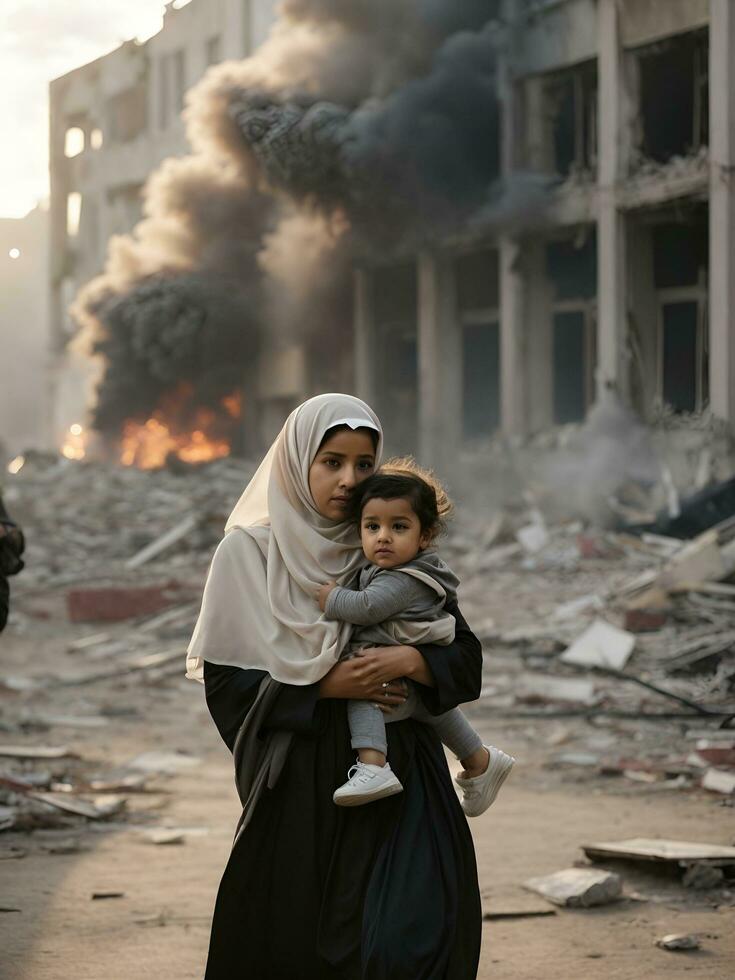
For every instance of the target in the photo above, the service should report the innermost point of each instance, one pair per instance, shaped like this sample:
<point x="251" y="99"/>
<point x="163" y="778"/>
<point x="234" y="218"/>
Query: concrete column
<point x="439" y="364"/>
<point x="613" y="149"/>
<point x="365" y="339"/>
<point x="538" y="302"/>
<point x="722" y="209"/>
<point x="513" y="367"/>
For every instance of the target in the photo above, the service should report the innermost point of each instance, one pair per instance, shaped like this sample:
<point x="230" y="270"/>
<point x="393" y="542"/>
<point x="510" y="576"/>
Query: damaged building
<point x="627" y="284"/>
<point x="112" y="122"/>
<point x="611" y="125"/>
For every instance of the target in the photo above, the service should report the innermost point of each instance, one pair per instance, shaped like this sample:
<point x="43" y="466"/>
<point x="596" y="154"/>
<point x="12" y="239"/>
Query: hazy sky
<point x="40" y="40"/>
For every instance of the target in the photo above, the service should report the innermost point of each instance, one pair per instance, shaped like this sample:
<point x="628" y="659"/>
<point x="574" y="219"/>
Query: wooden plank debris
<point x="578" y="887"/>
<point x="37" y="752"/>
<point x="165" y="541"/>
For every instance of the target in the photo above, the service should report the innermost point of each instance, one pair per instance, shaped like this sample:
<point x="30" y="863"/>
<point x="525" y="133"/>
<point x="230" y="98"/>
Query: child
<point x="400" y="600"/>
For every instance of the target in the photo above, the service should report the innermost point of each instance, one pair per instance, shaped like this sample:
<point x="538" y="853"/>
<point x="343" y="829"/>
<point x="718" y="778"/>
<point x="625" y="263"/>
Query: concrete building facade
<point x="628" y="284"/>
<point x="112" y="122"/>
<point x="24" y="404"/>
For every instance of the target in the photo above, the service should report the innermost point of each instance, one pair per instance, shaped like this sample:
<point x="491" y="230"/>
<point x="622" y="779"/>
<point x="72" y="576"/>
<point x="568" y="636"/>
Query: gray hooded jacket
<point x="397" y="605"/>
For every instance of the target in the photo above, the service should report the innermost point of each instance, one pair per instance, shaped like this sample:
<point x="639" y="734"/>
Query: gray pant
<point x="367" y="725"/>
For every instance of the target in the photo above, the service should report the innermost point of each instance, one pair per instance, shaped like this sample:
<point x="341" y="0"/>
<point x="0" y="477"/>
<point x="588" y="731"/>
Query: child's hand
<point x="323" y="593"/>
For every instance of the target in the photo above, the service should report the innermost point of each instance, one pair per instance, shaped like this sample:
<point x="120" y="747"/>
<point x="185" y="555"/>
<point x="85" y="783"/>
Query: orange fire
<point x="148" y="444"/>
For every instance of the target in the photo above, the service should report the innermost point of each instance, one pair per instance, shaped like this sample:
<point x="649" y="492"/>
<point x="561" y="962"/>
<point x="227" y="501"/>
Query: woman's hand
<point x="355" y="680"/>
<point x="400" y="661"/>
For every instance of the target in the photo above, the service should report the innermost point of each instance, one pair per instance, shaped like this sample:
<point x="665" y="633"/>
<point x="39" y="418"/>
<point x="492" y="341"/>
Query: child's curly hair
<point x="402" y="477"/>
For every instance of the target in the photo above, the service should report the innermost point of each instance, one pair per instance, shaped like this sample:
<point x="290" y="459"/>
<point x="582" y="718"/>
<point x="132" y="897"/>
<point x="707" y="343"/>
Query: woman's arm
<point x="230" y="692"/>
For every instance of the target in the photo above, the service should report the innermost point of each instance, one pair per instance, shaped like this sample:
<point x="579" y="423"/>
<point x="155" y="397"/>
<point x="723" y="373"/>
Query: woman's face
<point x="343" y="460"/>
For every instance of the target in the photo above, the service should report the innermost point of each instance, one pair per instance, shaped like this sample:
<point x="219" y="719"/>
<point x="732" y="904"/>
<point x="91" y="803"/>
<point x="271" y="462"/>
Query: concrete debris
<point x="677" y="942"/>
<point x="668" y="851"/>
<point x="718" y="781"/>
<point x="578" y="887"/>
<point x="601" y="645"/>
<point x="164" y="762"/>
<point x="702" y="876"/>
<point x="166" y="837"/>
<point x="575" y="607"/>
<point x="546" y="688"/>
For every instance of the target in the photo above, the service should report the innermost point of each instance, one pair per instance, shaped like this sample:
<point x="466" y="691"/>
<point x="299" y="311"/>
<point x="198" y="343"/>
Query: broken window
<point x="680" y="274"/>
<point x="572" y="268"/>
<point x="396" y="309"/>
<point x="570" y="99"/>
<point x="126" y="114"/>
<point x="73" y="213"/>
<point x="674" y="80"/>
<point x="476" y="276"/>
<point x="73" y="142"/>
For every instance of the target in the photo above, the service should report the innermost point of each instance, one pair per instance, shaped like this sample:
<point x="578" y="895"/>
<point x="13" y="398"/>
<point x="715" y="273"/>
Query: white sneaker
<point x="366" y="783"/>
<point x="479" y="792"/>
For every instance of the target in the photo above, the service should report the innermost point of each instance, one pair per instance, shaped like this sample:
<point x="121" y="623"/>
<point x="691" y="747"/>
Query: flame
<point x="16" y="465"/>
<point x="75" y="442"/>
<point x="148" y="444"/>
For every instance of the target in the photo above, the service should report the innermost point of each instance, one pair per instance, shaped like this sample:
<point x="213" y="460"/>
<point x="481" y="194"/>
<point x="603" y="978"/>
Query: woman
<point x="313" y="891"/>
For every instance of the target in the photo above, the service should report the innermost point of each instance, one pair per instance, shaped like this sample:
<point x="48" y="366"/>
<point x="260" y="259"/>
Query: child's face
<point x="391" y="532"/>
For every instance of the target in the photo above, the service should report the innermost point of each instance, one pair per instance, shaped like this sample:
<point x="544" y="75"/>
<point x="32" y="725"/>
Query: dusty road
<point x="159" y="926"/>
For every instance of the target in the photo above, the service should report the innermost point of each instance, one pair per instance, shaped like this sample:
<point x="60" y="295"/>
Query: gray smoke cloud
<point x="354" y="125"/>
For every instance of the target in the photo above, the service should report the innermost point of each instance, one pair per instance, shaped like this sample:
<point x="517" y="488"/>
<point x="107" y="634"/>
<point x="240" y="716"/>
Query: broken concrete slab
<point x="652" y="849"/>
<point x="578" y="887"/>
<point x="719" y="781"/>
<point x="547" y="688"/>
<point x="601" y="645"/>
<point x="99" y="809"/>
<point x="698" y="561"/>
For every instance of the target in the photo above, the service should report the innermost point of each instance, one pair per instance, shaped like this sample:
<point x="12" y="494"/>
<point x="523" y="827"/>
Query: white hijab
<point x="258" y="608"/>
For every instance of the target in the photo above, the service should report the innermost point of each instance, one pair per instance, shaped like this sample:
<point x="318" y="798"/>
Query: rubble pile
<point x="633" y="633"/>
<point x="615" y="649"/>
<point x="87" y="521"/>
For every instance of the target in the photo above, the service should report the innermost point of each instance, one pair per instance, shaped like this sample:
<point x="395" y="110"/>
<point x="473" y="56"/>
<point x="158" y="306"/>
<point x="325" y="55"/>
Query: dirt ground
<point x="52" y="929"/>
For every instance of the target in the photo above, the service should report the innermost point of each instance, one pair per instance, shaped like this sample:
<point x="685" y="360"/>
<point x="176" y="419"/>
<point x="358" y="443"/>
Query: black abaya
<point x="386" y="891"/>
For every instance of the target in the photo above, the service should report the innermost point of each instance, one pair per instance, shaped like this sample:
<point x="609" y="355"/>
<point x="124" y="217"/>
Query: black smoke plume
<point x="357" y="125"/>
